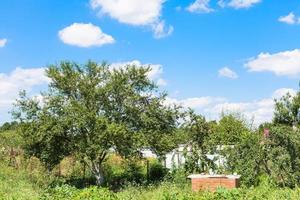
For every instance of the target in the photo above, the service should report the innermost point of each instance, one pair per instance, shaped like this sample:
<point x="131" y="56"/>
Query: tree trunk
<point x="98" y="173"/>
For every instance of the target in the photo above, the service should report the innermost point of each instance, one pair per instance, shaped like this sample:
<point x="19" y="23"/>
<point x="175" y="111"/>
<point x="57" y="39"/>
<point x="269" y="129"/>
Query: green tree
<point x="229" y="130"/>
<point x="287" y="110"/>
<point x="8" y="126"/>
<point x="198" y="146"/>
<point x="281" y="155"/>
<point x="238" y="146"/>
<point x="275" y="155"/>
<point x="91" y="110"/>
<point x="245" y="158"/>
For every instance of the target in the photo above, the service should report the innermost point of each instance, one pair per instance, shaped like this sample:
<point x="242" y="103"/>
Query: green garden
<point x="83" y="140"/>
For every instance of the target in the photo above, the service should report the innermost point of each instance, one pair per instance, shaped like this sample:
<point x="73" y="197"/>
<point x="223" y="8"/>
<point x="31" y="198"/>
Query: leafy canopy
<point x="93" y="109"/>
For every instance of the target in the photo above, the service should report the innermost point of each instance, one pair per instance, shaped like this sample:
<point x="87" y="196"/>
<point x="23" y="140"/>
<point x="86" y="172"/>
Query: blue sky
<point x="211" y="55"/>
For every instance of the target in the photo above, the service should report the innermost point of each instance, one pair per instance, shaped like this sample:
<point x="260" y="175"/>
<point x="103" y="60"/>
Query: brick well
<point x="212" y="182"/>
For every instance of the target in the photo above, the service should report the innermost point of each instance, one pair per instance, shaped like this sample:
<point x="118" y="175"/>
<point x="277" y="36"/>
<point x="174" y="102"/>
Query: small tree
<point x="229" y="130"/>
<point x="92" y="110"/>
<point x="196" y="151"/>
<point x="246" y="158"/>
<point x="281" y="155"/>
<point x="274" y="155"/>
<point x="287" y="110"/>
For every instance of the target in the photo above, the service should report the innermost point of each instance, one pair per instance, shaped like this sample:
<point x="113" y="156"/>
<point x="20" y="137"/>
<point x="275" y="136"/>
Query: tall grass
<point x="170" y="191"/>
<point x="15" y="184"/>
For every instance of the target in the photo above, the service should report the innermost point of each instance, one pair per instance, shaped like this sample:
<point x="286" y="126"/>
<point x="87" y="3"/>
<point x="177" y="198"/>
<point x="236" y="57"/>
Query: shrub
<point x="157" y="171"/>
<point x="177" y="176"/>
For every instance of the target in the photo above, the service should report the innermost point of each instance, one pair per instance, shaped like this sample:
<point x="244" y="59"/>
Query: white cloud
<point x="283" y="91"/>
<point x="201" y="102"/>
<point x="12" y="83"/>
<point x="226" y="72"/>
<point x="136" y="13"/>
<point x="238" y="4"/>
<point x="161" y="82"/>
<point x="3" y="42"/>
<point x="257" y="110"/>
<point x="155" y="74"/>
<point x="289" y="19"/>
<point x="260" y="111"/>
<point x="196" y="102"/>
<point x="133" y="12"/>
<point x="160" y="30"/>
<point x="286" y="63"/>
<point x="200" y="6"/>
<point x="84" y="35"/>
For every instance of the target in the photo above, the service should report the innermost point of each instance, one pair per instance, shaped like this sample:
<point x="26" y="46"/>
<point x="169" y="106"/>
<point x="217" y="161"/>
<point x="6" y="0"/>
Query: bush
<point x="157" y="171"/>
<point x="177" y="176"/>
<point x="120" y="172"/>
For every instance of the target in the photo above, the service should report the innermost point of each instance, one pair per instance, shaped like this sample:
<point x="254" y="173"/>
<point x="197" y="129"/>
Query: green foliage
<point x="282" y="154"/>
<point x="229" y="130"/>
<point x="71" y="193"/>
<point x="287" y="110"/>
<point x="244" y="158"/>
<point x="178" y="176"/>
<point x="197" y="149"/>
<point x="90" y="110"/>
<point x="99" y="118"/>
<point x="15" y="184"/>
<point x="134" y="173"/>
<point x="169" y="191"/>
<point x="9" y="126"/>
<point x="276" y="156"/>
<point x="10" y="139"/>
<point x="157" y="171"/>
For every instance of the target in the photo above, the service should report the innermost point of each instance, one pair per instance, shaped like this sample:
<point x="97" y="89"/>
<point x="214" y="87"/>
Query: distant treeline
<point x="8" y="126"/>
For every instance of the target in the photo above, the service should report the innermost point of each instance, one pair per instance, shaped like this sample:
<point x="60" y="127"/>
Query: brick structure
<point x="212" y="182"/>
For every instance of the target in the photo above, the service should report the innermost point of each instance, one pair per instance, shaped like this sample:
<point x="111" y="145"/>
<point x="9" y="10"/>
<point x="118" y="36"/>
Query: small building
<point x="176" y="157"/>
<point x="147" y="153"/>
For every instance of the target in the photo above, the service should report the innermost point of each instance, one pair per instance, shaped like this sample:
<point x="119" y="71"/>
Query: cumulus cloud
<point x="161" y="82"/>
<point x="84" y="35"/>
<point x="160" y="30"/>
<point x="257" y="110"/>
<point x="12" y="83"/>
<point x="136" y="13"/>
<point x="289" y="19"/>
<point x="196" y="102"/>
<point x="286" y="63"/>
<point x="200" y="6"/>
<point x="133" y="12"/>
<point x="238" y="4"/>
<point x="155" y="74"/>
<point x="283" y="91"/>
<point x="228" y="73"/>
<point x="3" y="42"/>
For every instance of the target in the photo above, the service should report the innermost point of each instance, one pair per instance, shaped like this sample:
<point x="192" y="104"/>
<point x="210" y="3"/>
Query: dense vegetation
<point x="84" y="141"/>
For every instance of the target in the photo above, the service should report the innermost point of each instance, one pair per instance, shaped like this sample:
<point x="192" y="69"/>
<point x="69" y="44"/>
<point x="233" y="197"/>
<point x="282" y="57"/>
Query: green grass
<point x="169" y="191"/>
<point x="14" y="184"/>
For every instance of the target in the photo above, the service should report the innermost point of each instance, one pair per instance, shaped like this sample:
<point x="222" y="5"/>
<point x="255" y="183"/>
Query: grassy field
<point x="32" y="182"/>
<point x="16" y="184"/>
<point x="168" y="191"/>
